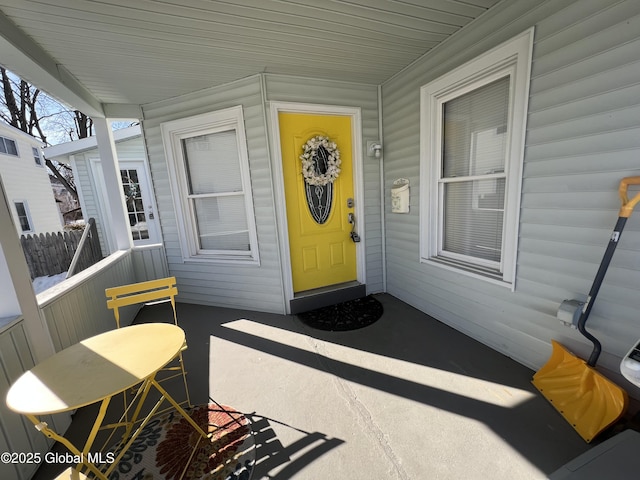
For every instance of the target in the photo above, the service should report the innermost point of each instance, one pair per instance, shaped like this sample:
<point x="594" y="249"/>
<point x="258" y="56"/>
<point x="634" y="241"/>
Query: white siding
<point x="227" y="285"/>
<point x="88" y="196"/>
<point x="258" y="287"/>
<point x="131" y="149"/>
<point x="77" y="309"/>
<point x="25" y="181"/>
<point x="149" y="262"/>
<point x="17" y="433"/>
<point x="582" y="138"/>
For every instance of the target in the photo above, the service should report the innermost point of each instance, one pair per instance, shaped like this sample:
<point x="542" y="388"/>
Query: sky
<point x="56" y="119"/>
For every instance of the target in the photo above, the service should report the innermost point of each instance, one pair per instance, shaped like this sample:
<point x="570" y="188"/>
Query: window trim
<point x="15" y="144"/>
<point x="37" y="156"/>
<point x="512" y="58"/>
<point x="173" y="133"/>
<point x="27" y="213"/>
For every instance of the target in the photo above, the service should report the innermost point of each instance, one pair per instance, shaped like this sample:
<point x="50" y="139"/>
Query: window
<point x="472" y="124"/>
<point x="8" y="146"/>
<point x="36" y="156"/>
<point x="208" y="158"/>
<point x="23" y="216"/>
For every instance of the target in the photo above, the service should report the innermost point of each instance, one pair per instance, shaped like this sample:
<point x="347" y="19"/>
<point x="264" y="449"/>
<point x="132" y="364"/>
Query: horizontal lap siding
<point x="227" y="285"/>
<point x="89" y="194"/>
<point x="132" y="149"/>
<point x="25" y="181"/>
<point x="365" y="97"/>
<point x="245" y="286"/>
<point x="81" y="310"/>
<point x="583" y="136"/>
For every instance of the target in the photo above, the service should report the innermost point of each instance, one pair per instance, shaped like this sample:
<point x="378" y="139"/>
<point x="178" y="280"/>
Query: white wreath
<point x="311" y="176"/>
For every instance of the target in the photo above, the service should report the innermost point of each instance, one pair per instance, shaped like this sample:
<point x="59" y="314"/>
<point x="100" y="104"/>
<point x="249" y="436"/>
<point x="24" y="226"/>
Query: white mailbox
<point x="400" y="196"/>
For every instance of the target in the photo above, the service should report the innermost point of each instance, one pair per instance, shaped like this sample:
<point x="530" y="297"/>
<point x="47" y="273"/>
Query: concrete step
<point x="322" y="297"/>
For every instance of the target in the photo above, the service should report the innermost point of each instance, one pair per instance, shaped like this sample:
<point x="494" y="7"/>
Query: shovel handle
<point x="628" y="205"/>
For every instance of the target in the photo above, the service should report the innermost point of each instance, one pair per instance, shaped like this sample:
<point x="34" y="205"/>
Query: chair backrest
<point x="153" y="291"/>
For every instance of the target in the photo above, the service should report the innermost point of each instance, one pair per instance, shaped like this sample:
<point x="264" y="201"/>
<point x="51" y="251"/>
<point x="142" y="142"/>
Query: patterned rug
<point x="344" y="316"/>
<point x="163" y="449"/>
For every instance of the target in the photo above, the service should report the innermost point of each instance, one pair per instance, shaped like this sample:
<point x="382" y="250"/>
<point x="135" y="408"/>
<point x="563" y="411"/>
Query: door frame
<point x="155" y="233"/>
<point x="358" y="185"/>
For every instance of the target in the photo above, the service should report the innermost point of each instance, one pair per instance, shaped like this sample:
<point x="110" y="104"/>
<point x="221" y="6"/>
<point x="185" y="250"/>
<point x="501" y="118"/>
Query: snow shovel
<point x="586" y="399"/>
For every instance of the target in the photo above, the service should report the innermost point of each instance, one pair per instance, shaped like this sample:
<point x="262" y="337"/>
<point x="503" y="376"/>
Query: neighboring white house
<point x="26" y="183"/>
<point x="83" y="157"/>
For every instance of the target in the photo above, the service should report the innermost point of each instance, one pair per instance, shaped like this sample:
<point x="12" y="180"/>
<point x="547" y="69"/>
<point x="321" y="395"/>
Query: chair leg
<point x="184" y="380"/>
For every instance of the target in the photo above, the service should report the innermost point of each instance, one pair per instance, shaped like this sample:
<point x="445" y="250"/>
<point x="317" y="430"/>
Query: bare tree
<point x="84" y="125"/>
<point x="26" y="107"/>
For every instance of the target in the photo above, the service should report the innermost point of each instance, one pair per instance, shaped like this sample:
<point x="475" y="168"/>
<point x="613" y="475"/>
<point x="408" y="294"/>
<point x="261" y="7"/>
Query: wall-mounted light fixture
<point x="374" y="149"/>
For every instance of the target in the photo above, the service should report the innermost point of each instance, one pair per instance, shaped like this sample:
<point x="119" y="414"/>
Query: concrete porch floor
<point x="405" y="398"/>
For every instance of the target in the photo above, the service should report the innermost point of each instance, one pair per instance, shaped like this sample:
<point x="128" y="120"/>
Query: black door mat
<point x="350" y="315"/>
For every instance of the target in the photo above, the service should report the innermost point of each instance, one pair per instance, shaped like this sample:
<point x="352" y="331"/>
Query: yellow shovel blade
<point x="586" y="399"/>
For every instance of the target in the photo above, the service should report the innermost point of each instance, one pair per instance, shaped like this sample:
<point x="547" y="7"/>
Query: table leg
<point x="96" y="427"/>
<point x="49" y="433"/>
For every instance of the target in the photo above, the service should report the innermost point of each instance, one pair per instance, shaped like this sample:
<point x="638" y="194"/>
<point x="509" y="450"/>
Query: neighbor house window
<point x="37" y="156"/>
<point x="8" y="146"/>
<point x="23" y="216"/>
<point x="472" y="125"/>
<point x="208" y="158"/>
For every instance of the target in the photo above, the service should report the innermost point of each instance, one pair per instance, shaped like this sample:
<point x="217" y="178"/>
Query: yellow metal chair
<point x="150" y="293"/>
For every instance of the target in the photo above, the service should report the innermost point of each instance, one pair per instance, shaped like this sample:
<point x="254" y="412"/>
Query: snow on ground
<point x="40" y="284"/>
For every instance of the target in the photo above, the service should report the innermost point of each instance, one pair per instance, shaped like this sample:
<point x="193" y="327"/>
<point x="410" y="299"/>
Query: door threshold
<point x="325" y="296"/>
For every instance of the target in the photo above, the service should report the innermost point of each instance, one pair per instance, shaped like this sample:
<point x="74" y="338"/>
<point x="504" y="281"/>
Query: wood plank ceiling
<point x="142" y="51"/>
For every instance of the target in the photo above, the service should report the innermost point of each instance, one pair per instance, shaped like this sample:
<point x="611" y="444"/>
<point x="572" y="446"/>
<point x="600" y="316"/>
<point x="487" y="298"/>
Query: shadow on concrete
<point x="271" y="454"/>
<point x="531" y="427"/>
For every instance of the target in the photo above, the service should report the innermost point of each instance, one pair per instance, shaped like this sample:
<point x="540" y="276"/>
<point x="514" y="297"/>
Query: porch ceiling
<point x="142" y="51"/>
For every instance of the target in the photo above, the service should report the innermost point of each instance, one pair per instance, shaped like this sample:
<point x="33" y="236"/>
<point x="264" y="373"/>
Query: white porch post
<point x="17" y="297"/>
<point x="116" y="208"/>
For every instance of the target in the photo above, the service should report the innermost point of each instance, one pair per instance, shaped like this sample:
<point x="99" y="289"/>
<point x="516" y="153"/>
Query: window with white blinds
<point x="472" y="182"/>
<point x="472" y="126"/>
<point x="209" y="158"/>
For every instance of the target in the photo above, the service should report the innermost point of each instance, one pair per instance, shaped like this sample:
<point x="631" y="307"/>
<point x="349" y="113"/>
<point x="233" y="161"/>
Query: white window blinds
<point x="472" y="180"/>
<point x="215" y="191"/>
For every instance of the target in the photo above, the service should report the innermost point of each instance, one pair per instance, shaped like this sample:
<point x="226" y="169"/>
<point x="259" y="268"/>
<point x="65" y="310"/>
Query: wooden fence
<point x="52" y="253"/>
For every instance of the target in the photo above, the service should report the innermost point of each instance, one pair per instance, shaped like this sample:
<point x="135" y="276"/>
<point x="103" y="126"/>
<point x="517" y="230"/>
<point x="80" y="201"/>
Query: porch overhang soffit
<point x="26" y="58"/>
<point x="103" y="56"/>
<point x="20" y="54"/>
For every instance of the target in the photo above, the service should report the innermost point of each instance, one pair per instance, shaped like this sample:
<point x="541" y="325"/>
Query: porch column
<point x="17" y="297"/>
<point x="116" y="208"/>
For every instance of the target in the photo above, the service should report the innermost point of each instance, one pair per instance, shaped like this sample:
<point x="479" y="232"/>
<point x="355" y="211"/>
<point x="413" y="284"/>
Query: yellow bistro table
<point x="95" y="370"/>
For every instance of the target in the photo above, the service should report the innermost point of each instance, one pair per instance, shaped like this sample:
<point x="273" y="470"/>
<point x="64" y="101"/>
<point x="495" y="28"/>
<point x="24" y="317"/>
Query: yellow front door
<point x="321" y="248"/>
